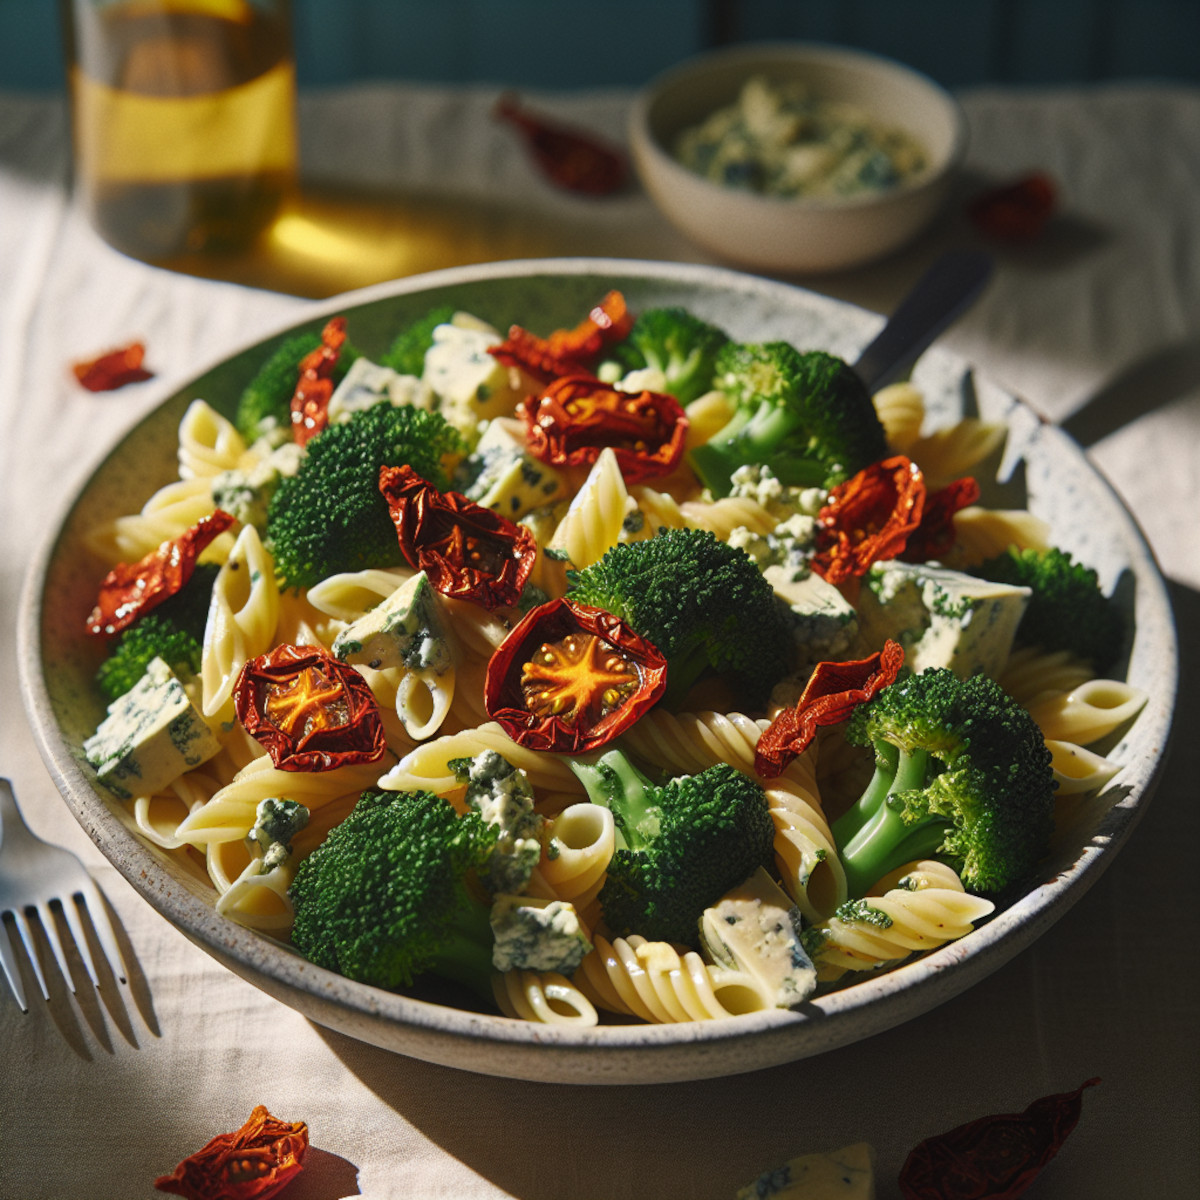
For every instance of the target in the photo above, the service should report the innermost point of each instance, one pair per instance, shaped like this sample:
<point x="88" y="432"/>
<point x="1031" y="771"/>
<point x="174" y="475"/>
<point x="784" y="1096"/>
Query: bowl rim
<point x="644" y="140"/>
<point x="768" y="1038"/>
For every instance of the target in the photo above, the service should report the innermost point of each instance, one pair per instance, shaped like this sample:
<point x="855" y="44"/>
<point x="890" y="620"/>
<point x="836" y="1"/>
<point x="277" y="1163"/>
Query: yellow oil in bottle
<point x="183" y="116"/>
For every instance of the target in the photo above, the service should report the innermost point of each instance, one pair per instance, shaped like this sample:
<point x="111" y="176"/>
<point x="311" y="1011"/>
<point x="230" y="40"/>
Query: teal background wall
<point x="577" y="44"/>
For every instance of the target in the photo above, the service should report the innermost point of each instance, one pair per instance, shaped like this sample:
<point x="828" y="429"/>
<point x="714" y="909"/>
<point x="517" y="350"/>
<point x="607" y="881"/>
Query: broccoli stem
<point x="613" y="781"/>
<point x="873" y="837"/>
<point x="755" y="435"/>
<point x="466" y="954"/>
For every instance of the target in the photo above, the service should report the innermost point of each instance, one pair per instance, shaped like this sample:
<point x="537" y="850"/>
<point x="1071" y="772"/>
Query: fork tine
<point x="93" y="901"/>
<point x="27" y="937"/>
<point x="8" y="960"/>
<point x="71" y="914"/>
<point x="50" y="928"/>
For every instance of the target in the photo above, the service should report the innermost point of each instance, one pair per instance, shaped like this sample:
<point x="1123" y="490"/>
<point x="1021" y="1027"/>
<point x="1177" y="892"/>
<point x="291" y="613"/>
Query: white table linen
<point x="1098" y="325"/>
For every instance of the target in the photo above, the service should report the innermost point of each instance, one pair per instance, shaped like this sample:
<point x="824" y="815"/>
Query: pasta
<point x="242" y="617"/>
<point x="1089" y="712"/>
<point x="654" y="982"/>
<point x="434" y="717"/>
<point x="919" y="907"/>
<point x="545" y="997"/>
<point x="208" y="443"/>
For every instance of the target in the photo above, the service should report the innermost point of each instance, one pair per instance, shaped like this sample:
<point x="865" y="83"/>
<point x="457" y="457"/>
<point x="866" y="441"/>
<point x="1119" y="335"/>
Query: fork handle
<point x="12" y="824"/>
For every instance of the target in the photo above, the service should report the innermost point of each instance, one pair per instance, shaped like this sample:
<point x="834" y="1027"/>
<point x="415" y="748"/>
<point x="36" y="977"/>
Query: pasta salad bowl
<point x="200" y="881"/>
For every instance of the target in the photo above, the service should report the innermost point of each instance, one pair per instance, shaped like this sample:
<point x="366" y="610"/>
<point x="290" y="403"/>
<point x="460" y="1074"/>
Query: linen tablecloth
<point x="1098" y="327"/>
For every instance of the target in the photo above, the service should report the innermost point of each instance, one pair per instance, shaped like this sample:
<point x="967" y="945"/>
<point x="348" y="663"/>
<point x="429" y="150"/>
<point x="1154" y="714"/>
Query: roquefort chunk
<point x="406" y="630"/>
<point x="755" y="928"/>
<point x="536" y="934"/>
<point x="503" y="476"/>
<point x="367" y="383"/>
<point x="942" y="618"/>
<point x="151" y="736"/>
<point x="845" y="1174"/>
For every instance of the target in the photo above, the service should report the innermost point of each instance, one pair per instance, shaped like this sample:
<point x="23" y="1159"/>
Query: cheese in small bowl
<point x="779" y="138"/>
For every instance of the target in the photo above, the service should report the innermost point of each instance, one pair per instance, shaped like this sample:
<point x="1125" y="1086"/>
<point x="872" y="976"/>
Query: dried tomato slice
<point x="1017" y="211"/>
<point x="570" y="158"/>
<point x="567" y="351"/>
<point x="114" y="369"/>
<point x="569" y="678"/>
<point x="869" y="518"/>
<point x="468" y="552"/>
<point x="131" y="589"/>
<point x="252" y="1163"/>
<point x="833" y="692"/>
<point x="314" y="388"/>
<point x="311" y="711"/>
<point x="577" y="416"/>
<point x="995" y="1157"/>
<point x="934" y="536"/>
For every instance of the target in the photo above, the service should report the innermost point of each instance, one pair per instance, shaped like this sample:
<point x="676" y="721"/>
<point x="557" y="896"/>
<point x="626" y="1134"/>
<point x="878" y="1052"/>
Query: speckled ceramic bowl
<point x="57" y="665"/>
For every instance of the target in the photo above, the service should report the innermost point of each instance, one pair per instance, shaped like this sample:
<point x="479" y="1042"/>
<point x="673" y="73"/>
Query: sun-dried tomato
<point x="114" y="369"/>
<point x="578" y="416"/>
<point x="131" y="589"/>
<point x="935" y="535"/>
<point x="567" y="351"/>
<point x="833" y="692"/>
<point x="469" y="552"/>
<point x="314" y="388"/>
<point x="252" y="1163"/>
<point x="570" y="158"/>
<point x="869" y="518"/>
<point x="569" y="678"/>
<point x="309" y="710"/>
<point x="992" y="1158"/>
<point x="1017" y="211"/>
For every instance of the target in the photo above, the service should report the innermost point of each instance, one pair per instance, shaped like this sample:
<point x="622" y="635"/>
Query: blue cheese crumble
<point x="781" y="139"/>
<point x="942" y="618"/>
<point x="151" y="736"/>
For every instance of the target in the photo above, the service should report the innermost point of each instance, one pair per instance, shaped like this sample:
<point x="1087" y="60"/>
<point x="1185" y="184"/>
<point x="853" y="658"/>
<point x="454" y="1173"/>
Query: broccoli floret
<point x="387" y="896"/>
<point x="535" y="934"/>
<point x="276" y="822"/>
<point x="172" y="631"/>
<point x="962" y="772"/>
<point x="681" y="845"/>
<point x="702" y="603"/>
<point x="500" y="793"/>
<point x="806" y="416"/>
<point x="406" y="354"/>
<point x="330" y="516"/>
<point x="264" y="408"/>
<point x="1067" y="610"/>
<point x="671" y="350"/>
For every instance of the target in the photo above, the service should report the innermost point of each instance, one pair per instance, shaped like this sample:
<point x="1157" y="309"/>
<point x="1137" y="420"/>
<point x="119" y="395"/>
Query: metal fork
<point x="33" y="876"/>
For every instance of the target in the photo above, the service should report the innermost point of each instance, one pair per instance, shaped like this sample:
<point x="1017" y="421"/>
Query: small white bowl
<point x="788" y="235"/>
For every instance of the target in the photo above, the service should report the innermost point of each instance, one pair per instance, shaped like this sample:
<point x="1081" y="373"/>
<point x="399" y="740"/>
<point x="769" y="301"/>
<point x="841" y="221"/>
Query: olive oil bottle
<point x="183" y="120"/>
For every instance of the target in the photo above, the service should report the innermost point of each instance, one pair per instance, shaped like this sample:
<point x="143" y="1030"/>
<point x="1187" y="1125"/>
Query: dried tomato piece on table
<point x="469" y="552"/>
<point x="569" y="678"/>
<point x="832" y="693"/>
<point x="131" y="589"/>
<point x="567" y="351"/>
<point x="114" y="369"/>
<point x="309" y="710"/>
<point x="869" y="518"/>
<point x="570" y="158"/>
<point x="992" y="1158"/>
<point x="252" y="1163"/>
<point x="577" y="416"/>
<point x="1017" y="211"/>
<point x="314" y="388"/>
